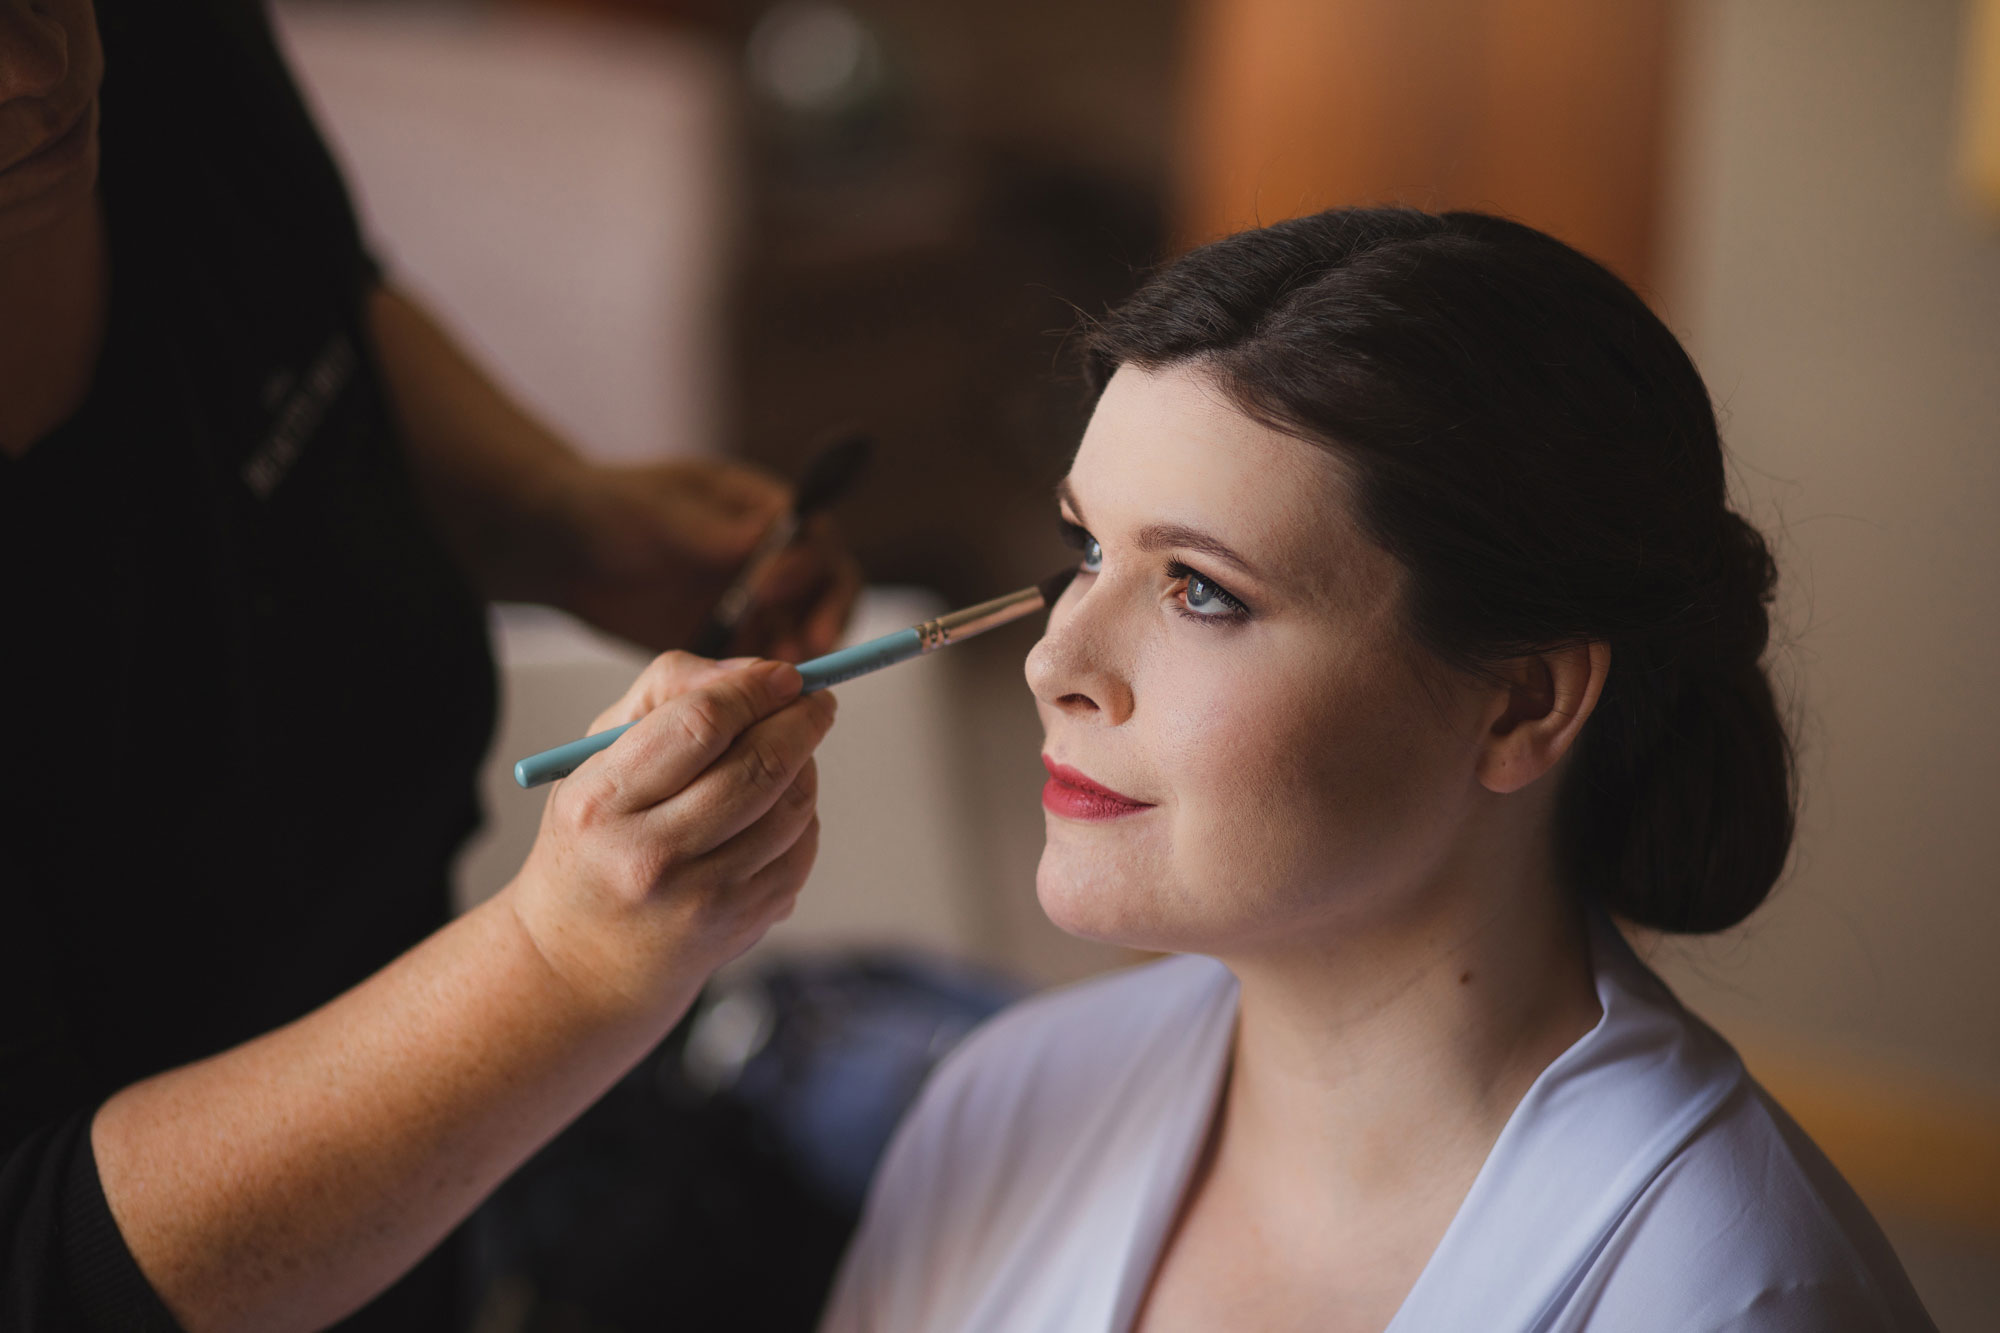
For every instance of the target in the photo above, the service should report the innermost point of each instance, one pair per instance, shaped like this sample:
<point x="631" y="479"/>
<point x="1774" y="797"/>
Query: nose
<point x="1076" y="666"/>
<point x="34" y="50"/>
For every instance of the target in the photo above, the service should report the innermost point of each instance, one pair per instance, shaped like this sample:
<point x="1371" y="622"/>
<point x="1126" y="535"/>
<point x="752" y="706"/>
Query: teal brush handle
<point x="833" y="669"/>
<point x="564" y="759"/>
<point x="862" y="658"/>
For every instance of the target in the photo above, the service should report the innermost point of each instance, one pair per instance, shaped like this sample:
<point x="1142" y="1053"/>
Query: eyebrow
<point x="1167" y="536"/>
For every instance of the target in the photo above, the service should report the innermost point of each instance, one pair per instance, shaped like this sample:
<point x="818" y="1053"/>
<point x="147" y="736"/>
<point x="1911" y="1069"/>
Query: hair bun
<point x="1736" y="608"/>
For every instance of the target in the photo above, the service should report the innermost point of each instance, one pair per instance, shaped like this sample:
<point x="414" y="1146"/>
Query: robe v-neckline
<point x="1591" y="1133"/>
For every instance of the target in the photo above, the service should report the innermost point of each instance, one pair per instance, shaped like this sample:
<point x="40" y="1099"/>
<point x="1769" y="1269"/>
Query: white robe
<point x="1645" y="1182"/>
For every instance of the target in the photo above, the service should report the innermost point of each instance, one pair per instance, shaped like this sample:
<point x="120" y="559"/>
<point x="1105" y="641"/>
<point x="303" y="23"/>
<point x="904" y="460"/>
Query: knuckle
<point x="677" y="659"/>
<point x="803" y="794"/>
<point x="587" y="808"/>
<point x="764" y="766"/>
<point x="798" y="798"/>
<point x="670" y="664"/>
<point x="661" y="679"/>
<point x="703" y="723"/>
<point x="653" y="680"/>
<point x="655" y="865"/>
<point x="629" y="879"/>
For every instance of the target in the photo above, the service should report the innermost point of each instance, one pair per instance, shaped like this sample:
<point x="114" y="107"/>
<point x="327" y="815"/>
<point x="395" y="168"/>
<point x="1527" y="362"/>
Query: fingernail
<point x="737" y="663"/>
<point x="782" y="679"/>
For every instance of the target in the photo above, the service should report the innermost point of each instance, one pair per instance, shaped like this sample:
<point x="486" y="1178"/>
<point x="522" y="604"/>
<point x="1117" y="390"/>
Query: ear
<point x="1538" y="713"/>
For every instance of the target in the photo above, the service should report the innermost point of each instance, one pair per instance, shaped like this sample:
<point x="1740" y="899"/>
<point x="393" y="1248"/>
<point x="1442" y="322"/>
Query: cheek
<point x="1325" y="783"/>
<point x="1240" y="788"/>
<point x="1294" y="790"/>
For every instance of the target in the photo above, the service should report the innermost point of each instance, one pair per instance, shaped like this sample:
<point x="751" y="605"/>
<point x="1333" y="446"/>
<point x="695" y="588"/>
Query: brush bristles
<point x="831" y="472"/>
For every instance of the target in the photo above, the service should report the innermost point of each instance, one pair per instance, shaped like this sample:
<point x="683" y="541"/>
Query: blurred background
<point x="731" y="226"/>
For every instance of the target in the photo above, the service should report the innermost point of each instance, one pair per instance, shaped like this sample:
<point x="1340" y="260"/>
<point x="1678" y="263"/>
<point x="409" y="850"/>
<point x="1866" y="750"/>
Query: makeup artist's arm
<point x="283" y="1183"/>
<point x="639" y="551"/>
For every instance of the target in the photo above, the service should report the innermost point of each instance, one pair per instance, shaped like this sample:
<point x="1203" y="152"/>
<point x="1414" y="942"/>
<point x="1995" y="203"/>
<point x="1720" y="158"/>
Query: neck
<point x="1371" y="1066"/>
<point x="54" y="286"/>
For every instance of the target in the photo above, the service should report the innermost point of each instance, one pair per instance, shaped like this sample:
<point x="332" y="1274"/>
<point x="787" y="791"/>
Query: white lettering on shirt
<point x="300" y="417"/>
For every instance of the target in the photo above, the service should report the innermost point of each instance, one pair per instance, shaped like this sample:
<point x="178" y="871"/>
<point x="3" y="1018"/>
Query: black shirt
<point x="243" y="691"/>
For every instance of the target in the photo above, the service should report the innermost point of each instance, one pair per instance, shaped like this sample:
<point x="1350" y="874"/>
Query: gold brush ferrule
<point x="935" y="634"/>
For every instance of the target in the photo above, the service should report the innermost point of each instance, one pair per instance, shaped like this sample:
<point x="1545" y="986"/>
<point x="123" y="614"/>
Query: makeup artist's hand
<point x="643" y="552"/>
<point x="658" y="544"/>
<point x="674" y="850"/>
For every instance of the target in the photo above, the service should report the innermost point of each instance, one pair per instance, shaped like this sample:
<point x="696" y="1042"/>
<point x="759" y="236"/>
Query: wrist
<point x="589" y="972"/>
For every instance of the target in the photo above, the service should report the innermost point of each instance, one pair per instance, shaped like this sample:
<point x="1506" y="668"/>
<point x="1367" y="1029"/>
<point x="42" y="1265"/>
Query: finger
<point x="771" y="894"/>
<point x="801" y="570"/>
<point x="811" y="626"/>
<point x="747" y="781"/>
<point x="716" y="542"/>
<point x="769" y="632"/>
<point x="675" y="743"/>
<point x="780" y="881"/>
<point x="769" y="836"/>
<point x="828" y="618"/>
<point x="720" y="511"/>
<point x="665" y="677"/>
<point x="805" y="601"/>
<point x="813" y="561"/>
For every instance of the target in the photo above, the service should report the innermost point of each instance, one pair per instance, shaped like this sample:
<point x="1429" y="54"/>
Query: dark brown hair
<point x="1539" y="453"/>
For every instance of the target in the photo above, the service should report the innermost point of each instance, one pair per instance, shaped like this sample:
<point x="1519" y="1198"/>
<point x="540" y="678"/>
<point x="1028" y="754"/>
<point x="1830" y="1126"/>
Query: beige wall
<point x="1843" y="302"/>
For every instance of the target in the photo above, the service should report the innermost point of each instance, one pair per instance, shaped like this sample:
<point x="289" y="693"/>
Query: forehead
<point x="1168" y="446"/>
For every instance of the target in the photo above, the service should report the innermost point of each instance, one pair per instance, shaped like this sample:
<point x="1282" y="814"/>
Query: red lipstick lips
<point x="1073" y="796"/>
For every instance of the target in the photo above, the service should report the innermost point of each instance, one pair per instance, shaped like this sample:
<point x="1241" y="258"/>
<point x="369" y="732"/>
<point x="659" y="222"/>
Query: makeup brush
<point x="837" y="667"/>
<point x="832" y="470"/>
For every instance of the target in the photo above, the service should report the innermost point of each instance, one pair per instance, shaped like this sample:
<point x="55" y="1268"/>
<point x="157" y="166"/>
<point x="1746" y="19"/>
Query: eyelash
<point x="1078" y="538"/>
<point x="1237" y="611"/>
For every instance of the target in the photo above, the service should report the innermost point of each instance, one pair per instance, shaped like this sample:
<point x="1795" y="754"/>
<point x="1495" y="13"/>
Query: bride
<point x="1413" y="643"/>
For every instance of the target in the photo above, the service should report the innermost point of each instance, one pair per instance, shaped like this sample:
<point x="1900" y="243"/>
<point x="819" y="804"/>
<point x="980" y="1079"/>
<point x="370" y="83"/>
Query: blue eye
<point x="1206" y="598"/>
<point x="1203" y="598"/>
<point x="1081" y="541"/>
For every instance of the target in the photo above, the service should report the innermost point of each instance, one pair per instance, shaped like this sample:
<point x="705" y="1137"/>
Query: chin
<point x="1105" y="903"/>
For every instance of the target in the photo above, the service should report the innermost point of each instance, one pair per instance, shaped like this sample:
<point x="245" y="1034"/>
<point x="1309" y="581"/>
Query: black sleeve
<point x="63" y="1264"/>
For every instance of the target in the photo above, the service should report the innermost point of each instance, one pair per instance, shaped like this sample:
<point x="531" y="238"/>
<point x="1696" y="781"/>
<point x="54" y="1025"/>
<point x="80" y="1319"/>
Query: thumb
<point x="667" y="676"/>
<point x="670" y="747"/>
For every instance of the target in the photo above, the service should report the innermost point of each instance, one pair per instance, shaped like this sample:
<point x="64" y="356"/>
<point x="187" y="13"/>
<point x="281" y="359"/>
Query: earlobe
<point x="1539" y="715"/>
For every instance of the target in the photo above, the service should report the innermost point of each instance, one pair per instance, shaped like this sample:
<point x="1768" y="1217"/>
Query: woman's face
<point x="1231" y="661"/>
